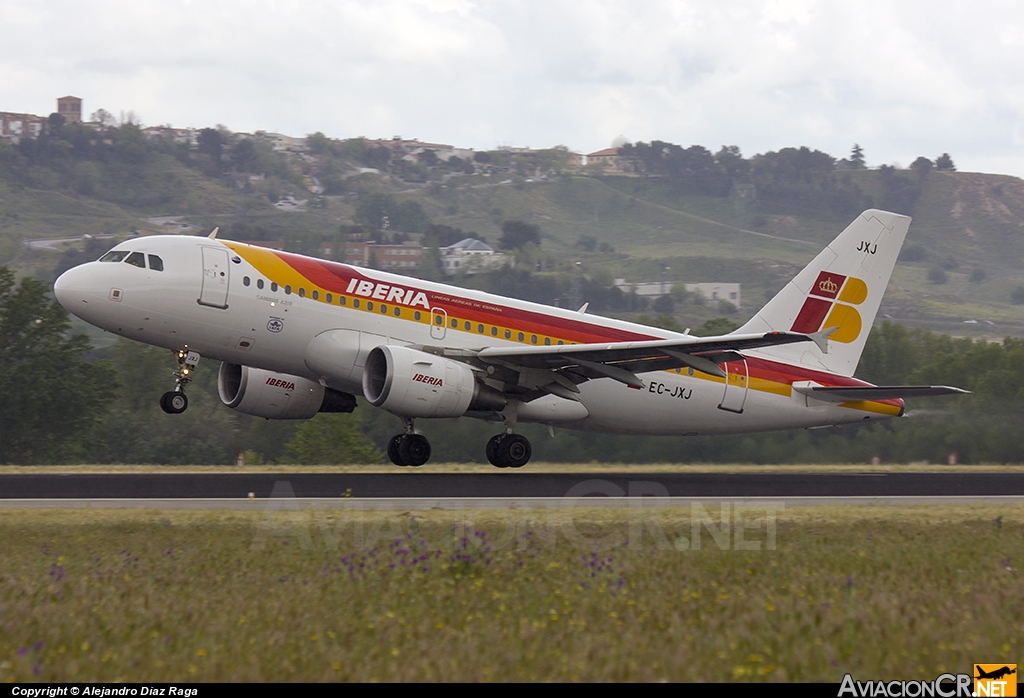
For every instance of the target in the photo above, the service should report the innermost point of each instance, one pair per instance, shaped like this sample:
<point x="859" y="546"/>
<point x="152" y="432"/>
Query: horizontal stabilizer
<point x="879" y="392"/>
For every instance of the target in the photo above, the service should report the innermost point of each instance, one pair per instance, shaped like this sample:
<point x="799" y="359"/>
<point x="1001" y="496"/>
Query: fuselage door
<point x="735" y="386"/>
<point x="438" y="323"/>
<point x="215" y="277"/>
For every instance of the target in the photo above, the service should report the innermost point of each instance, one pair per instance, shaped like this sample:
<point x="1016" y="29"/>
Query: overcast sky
<point x="903" y="79"/>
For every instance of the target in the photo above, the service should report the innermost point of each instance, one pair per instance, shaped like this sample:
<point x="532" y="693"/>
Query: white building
<point x="280" y="142"/>
<point x="717" y="292"/>
<point x="647" y="289"/>
<point x="470" y="256"/>
<point x="710" y="291"/>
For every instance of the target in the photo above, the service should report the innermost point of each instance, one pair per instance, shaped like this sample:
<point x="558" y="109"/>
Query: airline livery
<point x="298" y="335"/>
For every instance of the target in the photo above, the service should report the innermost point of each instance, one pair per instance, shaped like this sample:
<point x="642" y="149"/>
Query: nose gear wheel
<point x="175" y="401"/>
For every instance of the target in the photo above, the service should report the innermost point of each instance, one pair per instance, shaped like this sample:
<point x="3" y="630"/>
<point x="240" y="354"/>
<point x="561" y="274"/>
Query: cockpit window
<point x="136" y="259"/>
<point x="155" y="263"/>
<point x="114" y="256"/>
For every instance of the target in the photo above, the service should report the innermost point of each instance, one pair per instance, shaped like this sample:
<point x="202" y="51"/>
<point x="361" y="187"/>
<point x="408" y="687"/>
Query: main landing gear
<point x="175" y="401"/>
<point x="505" y="450"/>
<point x="509" y="450"/>
<point x="409" y="448"/>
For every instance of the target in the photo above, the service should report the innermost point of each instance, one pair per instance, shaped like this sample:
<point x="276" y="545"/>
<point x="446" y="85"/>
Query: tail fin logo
<point x="830" y="303"/>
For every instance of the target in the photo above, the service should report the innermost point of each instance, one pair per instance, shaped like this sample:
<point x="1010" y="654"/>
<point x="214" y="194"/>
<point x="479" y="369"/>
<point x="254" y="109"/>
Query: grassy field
<point x="676" y="594"/>
<point x="534" y="466"/>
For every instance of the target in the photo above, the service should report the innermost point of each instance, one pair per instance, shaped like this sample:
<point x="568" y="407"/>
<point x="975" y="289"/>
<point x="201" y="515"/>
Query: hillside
<point x="963" y="260"/>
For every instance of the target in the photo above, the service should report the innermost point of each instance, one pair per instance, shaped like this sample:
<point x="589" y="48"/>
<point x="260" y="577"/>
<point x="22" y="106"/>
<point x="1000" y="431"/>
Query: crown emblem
<point x="828" y="286"/>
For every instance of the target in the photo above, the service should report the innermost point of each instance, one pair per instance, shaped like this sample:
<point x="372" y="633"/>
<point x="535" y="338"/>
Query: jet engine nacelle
<point x="413" y="383"/>
<point x="277" y="395"/>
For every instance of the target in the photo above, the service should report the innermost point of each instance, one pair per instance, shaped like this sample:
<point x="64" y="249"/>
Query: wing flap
<point x="670" y="350"/>
<point x="873" y="392"/>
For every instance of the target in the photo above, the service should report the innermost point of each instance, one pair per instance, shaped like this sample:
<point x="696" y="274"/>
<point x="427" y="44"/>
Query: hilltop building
<point x="70" y="108"/>
<point x="401" y="257"/>
<point x="471" y="256"/>
<point x="177" y="135"/>
<point x="14" y="126"/>
<point x="607" y="159"/>
<point x="402" y="148"/>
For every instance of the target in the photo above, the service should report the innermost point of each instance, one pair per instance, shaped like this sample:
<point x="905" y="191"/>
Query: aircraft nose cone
<point x="69" y="289"/>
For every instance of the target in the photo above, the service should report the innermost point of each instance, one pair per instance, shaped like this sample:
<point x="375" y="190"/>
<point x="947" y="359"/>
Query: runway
<point x="510" y="487"/>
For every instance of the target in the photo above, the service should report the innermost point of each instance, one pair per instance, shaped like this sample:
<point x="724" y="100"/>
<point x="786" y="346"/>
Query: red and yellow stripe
<point x="487" y="318"/>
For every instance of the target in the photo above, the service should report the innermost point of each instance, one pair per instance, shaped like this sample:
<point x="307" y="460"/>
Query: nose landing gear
<point x="409" y="448"/>
<point x="175" y="401"/>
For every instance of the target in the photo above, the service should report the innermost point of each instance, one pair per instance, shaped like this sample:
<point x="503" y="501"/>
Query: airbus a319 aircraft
<point x="298" y="335"/>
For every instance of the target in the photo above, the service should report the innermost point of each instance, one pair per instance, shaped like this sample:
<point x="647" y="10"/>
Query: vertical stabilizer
<point x="841" y="288"/>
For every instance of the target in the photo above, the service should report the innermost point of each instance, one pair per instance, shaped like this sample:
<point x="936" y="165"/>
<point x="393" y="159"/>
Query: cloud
<point x="902" y="79"/>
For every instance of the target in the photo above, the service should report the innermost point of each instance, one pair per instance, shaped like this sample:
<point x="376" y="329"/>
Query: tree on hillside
<point x="716" y="326"/>
<point x="318" y="143"/>
<point x="439" y="235"/>
<point x="857" y="157"/>
<point x="52" y="398"/>
<point x="730" y="159"/>
<point x="922" y="166"/>
<point x="211" y="143"/>
<point x="379" y="211"/>
<point x="517" y="234"/>
<point x="944" y="163"/>
<point x="103" y="118"/>
<point x="211" y="147"/>
<point x="899" y="192"/>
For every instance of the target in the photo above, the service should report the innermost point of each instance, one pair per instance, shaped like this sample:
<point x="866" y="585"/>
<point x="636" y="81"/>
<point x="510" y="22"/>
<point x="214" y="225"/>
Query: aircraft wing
<point x="880" y="392"/>
<point x="558" y="369"/>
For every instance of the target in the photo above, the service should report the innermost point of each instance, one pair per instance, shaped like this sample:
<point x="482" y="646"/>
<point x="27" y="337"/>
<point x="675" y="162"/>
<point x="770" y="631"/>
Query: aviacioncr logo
<point x="831" y="304"/>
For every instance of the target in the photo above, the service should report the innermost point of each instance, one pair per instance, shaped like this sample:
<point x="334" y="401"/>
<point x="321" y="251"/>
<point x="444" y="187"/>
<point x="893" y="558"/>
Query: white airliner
<point x="298" y="335"/>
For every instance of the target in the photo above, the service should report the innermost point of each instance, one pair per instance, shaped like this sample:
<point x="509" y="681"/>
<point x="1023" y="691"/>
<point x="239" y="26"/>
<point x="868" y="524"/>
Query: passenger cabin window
<point x="245" y="281"/>
<point x="136" y="259"/>
<point x="157" y="264"/>
<point x="273" y="285"/>
<point x="259" y="283"/>
<point x="114" y="256"/>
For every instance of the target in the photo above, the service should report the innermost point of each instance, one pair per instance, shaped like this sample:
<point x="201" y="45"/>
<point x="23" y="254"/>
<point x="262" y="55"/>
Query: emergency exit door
<point x="215" y="277"/>
<point x="735" y="386"/>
